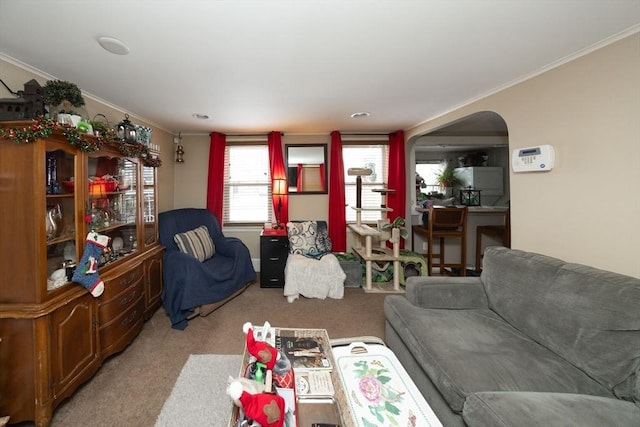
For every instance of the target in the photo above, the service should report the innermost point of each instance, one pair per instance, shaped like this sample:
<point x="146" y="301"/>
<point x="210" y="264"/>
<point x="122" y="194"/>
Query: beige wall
<point x="16" y="75"/>
<point x="191" y="177"/>
<point x="586" y="209"/>
<point x="191" y="186"/>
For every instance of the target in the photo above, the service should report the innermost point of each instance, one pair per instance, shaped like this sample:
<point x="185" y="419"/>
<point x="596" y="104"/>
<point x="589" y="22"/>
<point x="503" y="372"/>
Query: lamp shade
<point x="279" y="186"/>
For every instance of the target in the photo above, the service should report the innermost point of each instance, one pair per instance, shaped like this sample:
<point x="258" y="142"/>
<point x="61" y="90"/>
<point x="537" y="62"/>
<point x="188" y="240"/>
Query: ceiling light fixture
<point x="113" y="45"/>
<point x="201" y="116"/>
<point x="360" y="114"/>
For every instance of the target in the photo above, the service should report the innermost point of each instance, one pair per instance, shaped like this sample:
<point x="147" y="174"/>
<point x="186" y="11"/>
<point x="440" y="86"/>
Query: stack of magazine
<point x="308" y="351"/>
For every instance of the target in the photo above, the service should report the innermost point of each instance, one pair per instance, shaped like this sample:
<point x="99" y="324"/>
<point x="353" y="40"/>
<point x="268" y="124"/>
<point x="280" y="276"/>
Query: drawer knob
<point x="127" y="299"/>
<point x="130" y="319"/>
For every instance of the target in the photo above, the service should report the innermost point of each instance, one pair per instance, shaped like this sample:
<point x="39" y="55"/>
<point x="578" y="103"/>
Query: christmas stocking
<point x="87" y="270"/>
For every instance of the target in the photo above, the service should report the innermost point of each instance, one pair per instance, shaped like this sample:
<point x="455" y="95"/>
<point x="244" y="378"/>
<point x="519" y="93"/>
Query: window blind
<point x="247" y="185"/>
<point x="376" y="158"/>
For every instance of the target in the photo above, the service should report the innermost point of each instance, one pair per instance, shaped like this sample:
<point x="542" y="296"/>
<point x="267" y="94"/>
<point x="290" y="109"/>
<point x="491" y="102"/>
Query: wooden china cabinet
<point x="54" y="334"/>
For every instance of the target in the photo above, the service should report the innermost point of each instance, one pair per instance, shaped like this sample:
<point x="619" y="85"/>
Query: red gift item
<point x="266" y="409"/>
<point x="284" y="381"/>
<point x="262" y="351"/>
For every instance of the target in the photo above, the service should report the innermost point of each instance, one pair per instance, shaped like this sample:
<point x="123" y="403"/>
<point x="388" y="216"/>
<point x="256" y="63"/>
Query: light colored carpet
<point x="131" y="387"/>
<point x="199" y="397"/>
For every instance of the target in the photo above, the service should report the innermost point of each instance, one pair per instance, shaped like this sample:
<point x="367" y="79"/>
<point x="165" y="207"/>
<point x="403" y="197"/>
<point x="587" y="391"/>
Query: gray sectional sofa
<point x="533" y="341"/>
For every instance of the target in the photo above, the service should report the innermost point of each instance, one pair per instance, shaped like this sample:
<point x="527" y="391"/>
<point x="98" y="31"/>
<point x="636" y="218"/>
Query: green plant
<point x="101" y="127"/>
<point x="447" y="177"/>
<point x="55" y="92"/>
<point x="398" y="223"/>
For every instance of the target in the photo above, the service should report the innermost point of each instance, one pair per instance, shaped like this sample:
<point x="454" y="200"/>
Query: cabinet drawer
<point x="113" y="287"/>
<point x="275" y="244"/>
<point x="272" y="274"/>
<point x="274" y="251"/>
<point x="115" y="335"/>
<point x="274" y="258"/>
<point x="121" y="302"/>
<point x="271" y="281"/>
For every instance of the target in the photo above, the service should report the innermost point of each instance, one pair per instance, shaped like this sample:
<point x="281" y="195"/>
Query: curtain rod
<point x="364" y="137"/>
<point x="249" y="134"/>
<point x="365" y="134"/>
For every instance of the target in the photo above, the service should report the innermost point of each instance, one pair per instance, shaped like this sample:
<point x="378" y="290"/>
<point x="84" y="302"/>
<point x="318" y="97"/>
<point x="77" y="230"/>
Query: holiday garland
<point x="42" y="127"/>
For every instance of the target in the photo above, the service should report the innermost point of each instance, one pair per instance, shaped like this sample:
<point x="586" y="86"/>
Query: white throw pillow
<point x="302" y="237"/>
<point x="196" y="242"/>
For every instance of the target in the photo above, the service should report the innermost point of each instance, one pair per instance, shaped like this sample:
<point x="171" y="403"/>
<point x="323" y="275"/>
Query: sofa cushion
<point x="527" y="409"/>
<point x="636" y="389"/>
<point x="196" y="242"/>
<point x="467" y="351"/>
<point x="587" y="316"/>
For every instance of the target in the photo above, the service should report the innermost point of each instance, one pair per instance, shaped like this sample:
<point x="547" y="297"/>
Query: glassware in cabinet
<point x="149" y="205"/>
<point x="60" y="215"/>
<point x="112" y="204"/>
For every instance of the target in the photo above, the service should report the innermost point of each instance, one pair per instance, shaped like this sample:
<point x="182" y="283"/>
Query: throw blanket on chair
<point x="313" y="278"/>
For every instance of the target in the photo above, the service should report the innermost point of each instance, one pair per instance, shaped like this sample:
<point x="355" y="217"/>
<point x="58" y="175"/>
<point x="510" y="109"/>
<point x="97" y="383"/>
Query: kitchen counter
<point x="474" y="209"/>
<point x="478" y="215"/>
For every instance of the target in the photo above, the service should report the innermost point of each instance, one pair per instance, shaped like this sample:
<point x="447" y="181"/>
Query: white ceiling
<point x="302" y="66"/>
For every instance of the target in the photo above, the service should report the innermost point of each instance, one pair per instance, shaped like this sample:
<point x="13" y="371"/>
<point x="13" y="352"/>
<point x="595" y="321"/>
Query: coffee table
<point x="362" y="368"/>
<point x="331" y="410"/>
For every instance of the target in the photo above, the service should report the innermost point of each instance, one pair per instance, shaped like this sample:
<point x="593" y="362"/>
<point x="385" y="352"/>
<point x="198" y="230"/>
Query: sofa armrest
<point x="521" y="409"/>
<point x="446" y="292"/>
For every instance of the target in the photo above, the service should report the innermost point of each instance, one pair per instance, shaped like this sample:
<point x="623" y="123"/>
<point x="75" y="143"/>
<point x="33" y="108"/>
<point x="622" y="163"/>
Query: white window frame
<point x="372" y="153"/>
<point x="247" y="185"/>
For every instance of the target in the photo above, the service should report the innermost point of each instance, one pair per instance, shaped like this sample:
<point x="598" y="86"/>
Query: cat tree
<point x="365" y="235"/>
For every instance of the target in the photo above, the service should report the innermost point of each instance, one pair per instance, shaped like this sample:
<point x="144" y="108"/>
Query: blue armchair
<point x="190" y="283"/>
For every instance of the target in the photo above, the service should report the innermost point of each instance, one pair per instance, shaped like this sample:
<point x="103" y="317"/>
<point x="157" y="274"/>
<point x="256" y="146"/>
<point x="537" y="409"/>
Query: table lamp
<point x="279" y="189"/>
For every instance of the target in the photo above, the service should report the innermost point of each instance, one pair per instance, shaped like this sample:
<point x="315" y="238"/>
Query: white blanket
<point x="313" y="278"/>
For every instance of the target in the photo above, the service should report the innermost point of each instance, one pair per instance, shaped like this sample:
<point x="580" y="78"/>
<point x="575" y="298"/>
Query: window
<point x="376" y="158"/>
<point x="247" y="185"/>
<point x="428" y="172"/>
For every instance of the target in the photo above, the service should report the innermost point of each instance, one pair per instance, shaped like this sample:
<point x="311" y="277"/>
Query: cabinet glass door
<point x="60" y="215"/>
<point x="149" y="205"/>
<point x="112" y="207"/>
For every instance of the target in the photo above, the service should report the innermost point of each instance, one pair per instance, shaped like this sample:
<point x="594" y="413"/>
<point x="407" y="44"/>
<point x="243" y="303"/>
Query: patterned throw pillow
<point x="196" y="242"/>
<point x="324" y="242"/>
<point x="302" y="237"/>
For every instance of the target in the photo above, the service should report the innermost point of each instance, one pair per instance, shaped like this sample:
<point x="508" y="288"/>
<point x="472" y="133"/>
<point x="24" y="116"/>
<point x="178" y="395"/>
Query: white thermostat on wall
<point x="533" y="159"/>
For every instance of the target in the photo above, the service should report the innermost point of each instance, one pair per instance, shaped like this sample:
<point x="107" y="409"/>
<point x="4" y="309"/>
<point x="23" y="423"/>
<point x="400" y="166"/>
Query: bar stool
<point x="502" y="232"/>
<point x="447" y="223"/>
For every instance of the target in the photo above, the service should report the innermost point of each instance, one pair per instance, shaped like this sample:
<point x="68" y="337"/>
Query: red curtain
<point x="277" y="170"/>
<point x="397" y="178"/>
<point x="215" y="180"/>
<point x="337" y="218"/>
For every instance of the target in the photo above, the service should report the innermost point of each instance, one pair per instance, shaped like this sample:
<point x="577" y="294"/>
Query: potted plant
<point x="396" y="223"/>
<point x="420" y="184"/>
<point x="447" y="179"/>
<point x="100" y="128"/>
<point x="398" y="230"/>
<point x="62" y="96"/>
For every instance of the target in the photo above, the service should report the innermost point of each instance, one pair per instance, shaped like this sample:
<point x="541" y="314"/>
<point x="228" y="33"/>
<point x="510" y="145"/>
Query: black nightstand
<point x="274" y="249"/>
